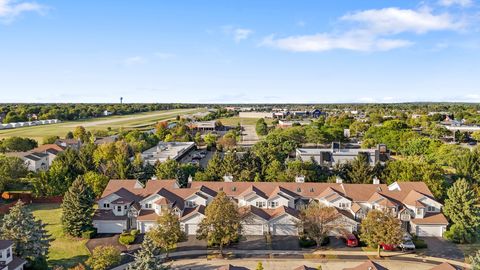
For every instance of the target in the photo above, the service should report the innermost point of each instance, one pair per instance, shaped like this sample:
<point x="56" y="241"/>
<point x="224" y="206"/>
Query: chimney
<point x="338" y="180"/>
<point x="228" y="178"/>
<point x="300" y="179"/>
<point x="376" y="181"/>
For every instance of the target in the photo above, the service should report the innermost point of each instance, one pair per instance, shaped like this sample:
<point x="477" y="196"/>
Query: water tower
<point x="121" y="100"/>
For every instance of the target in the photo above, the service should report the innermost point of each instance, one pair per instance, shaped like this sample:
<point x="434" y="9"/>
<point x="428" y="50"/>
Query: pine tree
<point x="361" y="172"/>
<point x="77" y="208"/>
<point x="462" y="207"/>
<point x="148" y="257"/>
<point x="29" y="236"/>
<point x="231" y="165"/>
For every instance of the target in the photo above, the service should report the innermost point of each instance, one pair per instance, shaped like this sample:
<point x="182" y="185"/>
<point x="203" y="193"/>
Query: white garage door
<point x="429" y="230"/>
<point x="252" y="229"/>
<point x="284" y="229"/>
<point x="110" y="226"/>
<point x="146" y="226"/>
<point x="191" y="229"/>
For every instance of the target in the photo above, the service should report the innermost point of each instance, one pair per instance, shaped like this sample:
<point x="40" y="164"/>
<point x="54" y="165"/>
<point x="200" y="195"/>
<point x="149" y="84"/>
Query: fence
<point x="26" y="198"/>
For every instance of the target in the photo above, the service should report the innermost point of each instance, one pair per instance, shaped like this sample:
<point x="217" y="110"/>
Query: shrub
<point x="126" y="239"/>
<point x="419" y="243"/>
<point x="134" y="232"/>
<point x="306" y="242"/>
<point x="104" y="257"/>
<point x="89" y="234"/>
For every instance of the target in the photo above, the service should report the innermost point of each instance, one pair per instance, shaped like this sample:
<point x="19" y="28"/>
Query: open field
<point x="64" y="250"/>
<point x="233" y="121"/>
<point x="114" y="122"/>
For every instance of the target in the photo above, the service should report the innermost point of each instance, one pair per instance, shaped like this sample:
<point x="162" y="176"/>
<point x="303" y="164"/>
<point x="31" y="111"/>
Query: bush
<point x="89" y="234"/>
<point x="134" y="232"/>
<point x="126" y="238"/>
<point x="306" y="242"/>
<point x="419" y="243"/>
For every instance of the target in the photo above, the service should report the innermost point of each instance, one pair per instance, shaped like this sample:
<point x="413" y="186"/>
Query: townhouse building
<point x="7" y="260"/>
<point x="267" y="207"/>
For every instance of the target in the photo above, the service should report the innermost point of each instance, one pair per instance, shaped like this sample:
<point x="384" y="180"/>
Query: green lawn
<point x="64" y="250"/>
<point x="232" y="121"/>
<point x="114" y="122"/>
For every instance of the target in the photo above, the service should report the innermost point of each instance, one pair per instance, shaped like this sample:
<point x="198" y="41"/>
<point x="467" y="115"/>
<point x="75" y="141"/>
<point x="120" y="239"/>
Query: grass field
<point x="64" y="250"/>
<point x="115" y="122"/>
<point x="233" y="121"/>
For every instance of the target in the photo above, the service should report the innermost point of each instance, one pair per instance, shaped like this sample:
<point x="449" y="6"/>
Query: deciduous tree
<point x="380" y="228"/>
<point x="221" y="224"/>
<point x="104" y="257"/>
<point x="167" y="233"/>
<point x="317" y="221"/>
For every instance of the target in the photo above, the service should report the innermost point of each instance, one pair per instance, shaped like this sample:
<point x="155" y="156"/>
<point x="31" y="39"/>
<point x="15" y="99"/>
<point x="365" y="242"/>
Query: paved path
<point x="301" y="256"/>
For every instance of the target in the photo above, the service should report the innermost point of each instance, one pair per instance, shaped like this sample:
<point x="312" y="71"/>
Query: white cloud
<point x="354" y="41"/>
<point x="370" y="30"/>
<point x="463" y="3"/>
<point x="238" y="34"/>
<point x="134" y="60"/>
<point x="10" y="9"/>
<point x="164" y="55"/>
<point x="395" y="20"/>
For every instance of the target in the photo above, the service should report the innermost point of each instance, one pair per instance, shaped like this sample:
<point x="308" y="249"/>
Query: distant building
<point x="337" y="155"/>
<point x="104" y="140"/>
<point x="69" y="143"/>
<point x="286" y="124"/>
<point x="7" y="260"/>
<point x="40" y="158"/>
<point x="107" y="113"/>
<point x="257" y="115"/>
<point x="167" y="150"/>
<point x="203" y="125"/>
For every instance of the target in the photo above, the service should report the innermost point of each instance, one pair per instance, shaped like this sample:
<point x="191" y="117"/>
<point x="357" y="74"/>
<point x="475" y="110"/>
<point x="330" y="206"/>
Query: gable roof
<point x="368" y="265"/>
<point x="431" y="218"/>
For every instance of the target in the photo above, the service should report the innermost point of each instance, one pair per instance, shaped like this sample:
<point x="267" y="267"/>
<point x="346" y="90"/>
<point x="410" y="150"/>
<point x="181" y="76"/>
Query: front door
<point x="132" y="223"/>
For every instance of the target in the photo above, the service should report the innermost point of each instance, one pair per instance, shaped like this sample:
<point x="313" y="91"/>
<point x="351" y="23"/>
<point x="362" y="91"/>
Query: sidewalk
<point x="321" y="255"/>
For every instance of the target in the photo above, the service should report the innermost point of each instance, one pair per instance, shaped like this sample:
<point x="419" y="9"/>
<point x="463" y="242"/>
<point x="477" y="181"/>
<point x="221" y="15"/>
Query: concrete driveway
<point x="439" y="247"/>
<point x="252" y="242"/>
<point x="285" y="242"/>
<point x="192" y="243"/>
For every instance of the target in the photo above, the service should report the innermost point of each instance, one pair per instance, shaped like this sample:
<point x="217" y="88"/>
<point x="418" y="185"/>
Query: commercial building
<point x="167" y="150"/>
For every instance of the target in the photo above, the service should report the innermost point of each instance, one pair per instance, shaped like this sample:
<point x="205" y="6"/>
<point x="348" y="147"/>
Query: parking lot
<point x="198" y="157"/>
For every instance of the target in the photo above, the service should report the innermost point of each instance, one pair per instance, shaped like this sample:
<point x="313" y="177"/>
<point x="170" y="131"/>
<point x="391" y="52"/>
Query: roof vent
<point x="300" y="179"/>
<point x="228" y="178"/>
<point x="338" y="180"/>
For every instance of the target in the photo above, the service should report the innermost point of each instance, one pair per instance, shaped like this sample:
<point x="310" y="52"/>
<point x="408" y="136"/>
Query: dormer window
<point x="106" y="205"/>
<point x="299" y="189"/>
<point x="148" y="205"/>
<point x="190" y="204"/>
<point x="273" y="204"/>
<point x="419" y="211"/>
<point x="312" y="190"/>
<point x="260" y="204"/>
<point x="431" y="209"/>
<point x="234" y="188"/>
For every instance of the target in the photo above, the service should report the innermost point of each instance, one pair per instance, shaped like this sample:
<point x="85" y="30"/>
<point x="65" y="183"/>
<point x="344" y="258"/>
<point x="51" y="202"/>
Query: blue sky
<point x="241" y="51"/>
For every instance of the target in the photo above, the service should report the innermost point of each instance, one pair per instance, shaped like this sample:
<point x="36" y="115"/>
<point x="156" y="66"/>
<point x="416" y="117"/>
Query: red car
<point x="388" y="247"/>
<point x="351" y="240"/>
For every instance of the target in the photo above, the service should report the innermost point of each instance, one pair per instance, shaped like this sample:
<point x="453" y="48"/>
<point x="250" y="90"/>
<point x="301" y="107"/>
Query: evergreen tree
<point x="77" y="208"/>
<point x="360" y="172"/>
<point x="29" y="236"/>
<point x="148" y="257"/>
<point x="231" y="165"/>
<point x="462" y="207"/>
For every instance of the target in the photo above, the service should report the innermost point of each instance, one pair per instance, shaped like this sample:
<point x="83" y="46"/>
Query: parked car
<point x="388" y="247"/>
<point x="472" y="143"/>
<point x="351" y="240"/>
<point x="407" y="245"/>
<point x="195" y="162"/>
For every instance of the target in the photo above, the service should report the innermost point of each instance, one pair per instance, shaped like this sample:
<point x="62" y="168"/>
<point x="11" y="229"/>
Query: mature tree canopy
<point x="31" y="240"/>
<point x="463" y="209"/>
<point x="17" y="144"/>
<point x="317" y="221"/>
<point x="77" y="208"/>
<point x="148" y="256"/>
<point x="379" y="228"/>
<point x="104" y="257"/>
<point x="167" y="233"/>
<point x="221" y="224"/>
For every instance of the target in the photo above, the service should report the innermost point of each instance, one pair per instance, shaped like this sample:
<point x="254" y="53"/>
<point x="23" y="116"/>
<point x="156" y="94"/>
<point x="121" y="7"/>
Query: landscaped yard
<point x="64" y="250"/>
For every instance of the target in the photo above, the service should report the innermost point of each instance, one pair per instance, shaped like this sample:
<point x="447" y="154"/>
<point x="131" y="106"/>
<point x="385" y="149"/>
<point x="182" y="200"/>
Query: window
<point x="190" y="204"/>
<point x="343" y="205"/>
<point x="419" y="211"/>
<point x="119" y="208"/>
<point x="106" y="205"/>
<point x="9" y="251"/>
<point x="125" y="207"/>
<point x="1" y="255"/>
<point x="431" y="209"/>
<point x="273" y="204"/>
<point x="234" y="188"/>
<point x="260" y="204"/>
<point x="299" y="189"/>
<point x="148" y="205"/>
<point x="312" y="190"/>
